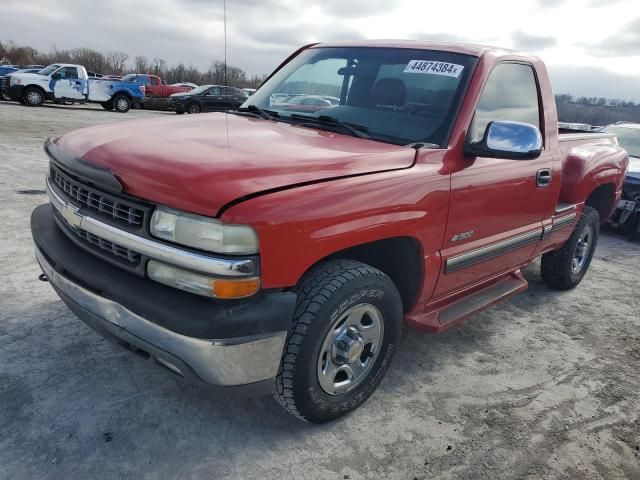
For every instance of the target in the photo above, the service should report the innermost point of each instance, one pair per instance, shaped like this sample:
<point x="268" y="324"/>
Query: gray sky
<point x="592" y="47"/>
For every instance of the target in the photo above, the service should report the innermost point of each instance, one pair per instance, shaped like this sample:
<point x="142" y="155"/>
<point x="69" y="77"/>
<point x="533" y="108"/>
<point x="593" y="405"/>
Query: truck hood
<point x="202" y="162"/>
<point x="27" y="76"/>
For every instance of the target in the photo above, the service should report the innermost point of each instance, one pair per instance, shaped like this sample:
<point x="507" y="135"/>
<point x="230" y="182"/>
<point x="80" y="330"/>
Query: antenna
<point x="225" y="41"/>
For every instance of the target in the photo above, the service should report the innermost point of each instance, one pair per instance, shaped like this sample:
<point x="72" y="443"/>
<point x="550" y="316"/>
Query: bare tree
<point x="116" y="61"/>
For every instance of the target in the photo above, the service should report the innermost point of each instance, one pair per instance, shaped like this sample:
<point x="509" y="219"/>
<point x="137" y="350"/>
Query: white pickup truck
<point x="67" y="82"/>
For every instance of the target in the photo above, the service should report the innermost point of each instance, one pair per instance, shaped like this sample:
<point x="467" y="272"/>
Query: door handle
<point x="543" y="177"/>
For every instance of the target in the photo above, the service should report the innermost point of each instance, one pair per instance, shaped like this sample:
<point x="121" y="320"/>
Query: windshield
<point x="198" y="90"/>
<point x="395" y="95"/>
<point x="49" y="69"/>
<point x="628" y="138"/>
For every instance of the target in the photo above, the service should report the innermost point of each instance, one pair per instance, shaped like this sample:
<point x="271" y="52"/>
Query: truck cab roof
<point x="463" y="48"/>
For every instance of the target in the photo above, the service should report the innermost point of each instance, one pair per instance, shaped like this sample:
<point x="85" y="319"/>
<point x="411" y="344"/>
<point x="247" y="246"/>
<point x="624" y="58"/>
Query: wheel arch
<point x="400" y="258"/>
<point x="35" y="85"/>
<point x="602" y="198"/>
<point x="123" y="92"/>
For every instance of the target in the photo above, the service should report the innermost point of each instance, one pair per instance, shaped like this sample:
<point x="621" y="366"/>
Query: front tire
<point x="565" y="268"/>
<point x="194" y="108"/>
<point x="121" y="103"/>
<point x="33" y="97"/>
<point x="345" y="331"/>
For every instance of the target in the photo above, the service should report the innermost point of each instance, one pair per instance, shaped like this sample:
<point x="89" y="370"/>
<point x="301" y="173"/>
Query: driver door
<point x="67" y="84"/>
<point x="498" y="205"/>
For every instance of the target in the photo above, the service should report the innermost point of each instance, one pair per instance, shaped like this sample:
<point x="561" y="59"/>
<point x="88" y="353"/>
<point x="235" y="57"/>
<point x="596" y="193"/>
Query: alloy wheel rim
<point x="194" y="109"/>
<point x="34" y="97"/>
<point x="583" y="247"/>
<point x="350" y="349"/>
<point x="122" y="104"/>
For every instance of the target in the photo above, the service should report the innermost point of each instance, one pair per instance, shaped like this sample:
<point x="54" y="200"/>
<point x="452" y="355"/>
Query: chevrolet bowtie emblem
<point x="71" y="215"/>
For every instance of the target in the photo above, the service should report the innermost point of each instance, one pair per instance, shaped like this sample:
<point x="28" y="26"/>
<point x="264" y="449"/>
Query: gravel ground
<point x="543" y="386"/>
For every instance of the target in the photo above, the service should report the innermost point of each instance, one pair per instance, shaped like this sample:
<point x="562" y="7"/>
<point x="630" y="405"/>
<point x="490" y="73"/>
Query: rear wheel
<point x="194" y="108"/>
<point x="33" y="97"/>
<point x="346" y="328"/>
<point x="121" y="103"/>
<point x="565" y="268"/>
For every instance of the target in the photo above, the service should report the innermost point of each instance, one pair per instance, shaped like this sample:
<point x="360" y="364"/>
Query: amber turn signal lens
<point x="200" y="284"/>
<point x="228" y="289"/>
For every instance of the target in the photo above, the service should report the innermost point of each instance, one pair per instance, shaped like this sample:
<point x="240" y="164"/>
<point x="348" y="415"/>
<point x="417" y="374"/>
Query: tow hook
<point x="43" y="278"/>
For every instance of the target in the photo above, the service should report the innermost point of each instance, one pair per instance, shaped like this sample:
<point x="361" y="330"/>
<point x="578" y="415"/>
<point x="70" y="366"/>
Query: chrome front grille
<point x="106" y="245"/>
<point x="108" y="205"/>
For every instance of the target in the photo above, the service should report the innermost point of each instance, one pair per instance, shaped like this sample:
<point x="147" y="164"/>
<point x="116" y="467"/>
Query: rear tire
<point x="33" y="97"/>
<point x="107" y="105"/>
<point x="346" y="329"/>
<point x="565" y="268"/>
<point x="121" y="103"/>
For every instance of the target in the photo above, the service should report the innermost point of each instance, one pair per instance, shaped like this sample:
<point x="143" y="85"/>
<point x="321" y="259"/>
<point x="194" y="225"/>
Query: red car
<point x="276" y="251"/>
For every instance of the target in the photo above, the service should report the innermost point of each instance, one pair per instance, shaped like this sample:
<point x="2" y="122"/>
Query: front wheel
<point x="33" y="97"/>
<point x="346" y="329"/>
<point x="565" y="268"/>
<point x="194" y="108"/>
<point x="121" y="103"/>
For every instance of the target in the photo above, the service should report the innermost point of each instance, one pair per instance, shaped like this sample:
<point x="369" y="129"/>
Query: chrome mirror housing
<point x="509" y="140"/>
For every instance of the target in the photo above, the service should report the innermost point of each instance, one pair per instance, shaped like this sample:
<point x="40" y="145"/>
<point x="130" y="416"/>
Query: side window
<point x="214" y="91"/>
<point x="510" y="94"/>
<point x="66" y="73"/>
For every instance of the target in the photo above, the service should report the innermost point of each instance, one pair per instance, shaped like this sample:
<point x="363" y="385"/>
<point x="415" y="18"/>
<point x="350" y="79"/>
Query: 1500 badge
<point x="462" y="236"/>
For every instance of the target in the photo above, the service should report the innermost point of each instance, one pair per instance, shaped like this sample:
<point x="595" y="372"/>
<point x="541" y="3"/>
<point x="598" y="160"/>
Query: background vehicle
<point x="280" y="251"/>
<point x="249" y="91"/>
<point x="305" y="103"/>
<point x="207" y="98"/>
<point x="6" y="70"/>
<point x="185" y="85"/>
<point x="70" y="83"/>
<point x="580" y="127"/>
<point x="156" y="91"/>
<point x="627" y="214"/>
<point x="112" y="77"/>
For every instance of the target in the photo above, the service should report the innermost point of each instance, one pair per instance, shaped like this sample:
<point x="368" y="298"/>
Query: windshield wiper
<point x="266" y="114"/>
<point x="355" y="129"/>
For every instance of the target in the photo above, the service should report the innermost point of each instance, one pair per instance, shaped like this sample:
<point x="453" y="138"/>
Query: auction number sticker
<point x="434" y="68"/>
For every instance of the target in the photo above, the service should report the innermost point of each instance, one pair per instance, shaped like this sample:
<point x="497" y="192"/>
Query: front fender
<point x="299" y="227"/>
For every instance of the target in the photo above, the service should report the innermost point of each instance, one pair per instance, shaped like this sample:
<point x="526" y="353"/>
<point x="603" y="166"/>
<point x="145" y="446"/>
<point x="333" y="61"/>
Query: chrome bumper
<point x="226" y="363"/>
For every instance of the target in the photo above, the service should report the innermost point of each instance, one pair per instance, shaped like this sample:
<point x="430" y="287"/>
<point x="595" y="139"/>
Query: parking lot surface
<point x="543" y="386"/>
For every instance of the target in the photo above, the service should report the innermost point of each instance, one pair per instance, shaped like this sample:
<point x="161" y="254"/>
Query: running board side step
<point x="448" y="314"/>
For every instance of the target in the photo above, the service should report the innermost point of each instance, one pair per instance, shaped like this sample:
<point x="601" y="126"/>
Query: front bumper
<point x="232" y="345"/>
<point x="13" y="92"/>
<point x="177" y="106"/>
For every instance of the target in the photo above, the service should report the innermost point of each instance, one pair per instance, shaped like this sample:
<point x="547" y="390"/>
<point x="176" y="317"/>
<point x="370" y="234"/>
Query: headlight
<point x="200" y="284"/>
<point x="203" y="233"/>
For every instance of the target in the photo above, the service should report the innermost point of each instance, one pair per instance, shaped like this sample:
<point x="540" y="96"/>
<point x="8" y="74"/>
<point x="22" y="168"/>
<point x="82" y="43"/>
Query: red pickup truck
<point x="276" y="251"/>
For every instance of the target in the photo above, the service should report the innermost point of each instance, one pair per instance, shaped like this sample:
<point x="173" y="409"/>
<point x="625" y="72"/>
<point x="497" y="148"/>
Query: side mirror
<point x="508" y="140"/>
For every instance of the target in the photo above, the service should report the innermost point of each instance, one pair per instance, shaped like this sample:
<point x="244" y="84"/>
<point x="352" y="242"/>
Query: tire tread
<point x="314" y="289"/>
